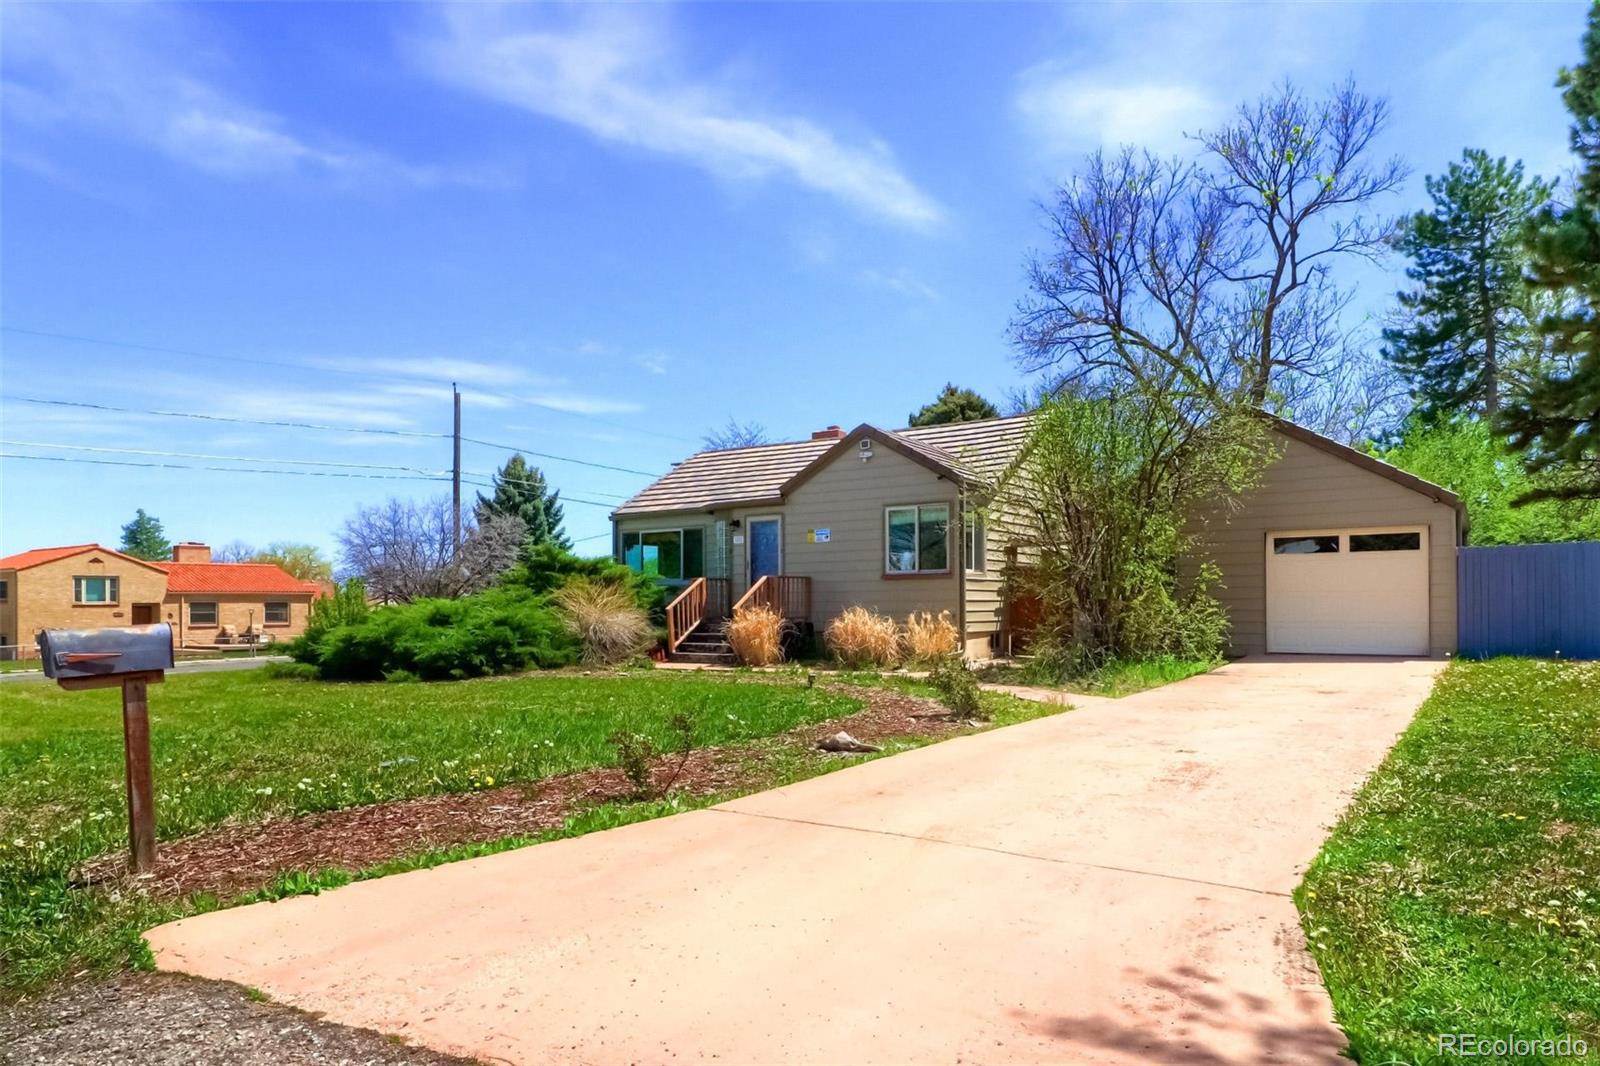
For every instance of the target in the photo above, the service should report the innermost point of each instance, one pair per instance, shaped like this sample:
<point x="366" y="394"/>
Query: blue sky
<point x="615" y="226"/>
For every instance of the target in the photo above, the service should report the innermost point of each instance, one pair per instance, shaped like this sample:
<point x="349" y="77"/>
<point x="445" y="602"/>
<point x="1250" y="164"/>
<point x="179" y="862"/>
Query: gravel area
<point x="172" y="1020"/>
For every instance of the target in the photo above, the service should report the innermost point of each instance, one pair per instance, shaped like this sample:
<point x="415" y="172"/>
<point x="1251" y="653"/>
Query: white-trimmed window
<point x="917" y="539"/>
<point x="94" y="590"/>
<point x="202" y="614"/>
<point x="975" y="544"/>
<point x="667" y="554"/>
<point x="276" y="613"/>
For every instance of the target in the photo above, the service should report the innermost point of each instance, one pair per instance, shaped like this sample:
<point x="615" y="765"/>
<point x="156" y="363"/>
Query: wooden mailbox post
<point x="133" y="658"/>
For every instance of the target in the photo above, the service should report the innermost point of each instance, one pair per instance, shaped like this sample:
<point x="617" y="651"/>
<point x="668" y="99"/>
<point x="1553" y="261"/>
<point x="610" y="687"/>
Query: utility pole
<point x="455" y="482"/>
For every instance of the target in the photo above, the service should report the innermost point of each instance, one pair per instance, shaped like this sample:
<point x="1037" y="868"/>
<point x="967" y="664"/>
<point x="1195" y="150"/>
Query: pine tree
<point x="143" y="538"/>
<point x="953" y="405"/>
<point x="520" y="490"/>
<point x="1557" y="425"/>
<point x="1465" y="328"/>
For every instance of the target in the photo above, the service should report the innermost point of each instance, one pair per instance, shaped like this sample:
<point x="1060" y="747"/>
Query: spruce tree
<point x="520" y="490"/>
<point x="143" y="538"/>
<point x="953" y="405"/>
<point x="1557" y="425"/>
<point x="1465" y="328"/>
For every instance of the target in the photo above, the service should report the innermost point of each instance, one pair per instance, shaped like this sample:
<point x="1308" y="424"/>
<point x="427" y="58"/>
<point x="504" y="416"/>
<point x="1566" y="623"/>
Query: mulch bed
<point x="236" y="859"/>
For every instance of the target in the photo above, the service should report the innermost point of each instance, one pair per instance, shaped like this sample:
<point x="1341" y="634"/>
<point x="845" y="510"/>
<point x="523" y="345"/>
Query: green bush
<point x="496" y="632"/>
<point x="956" y="685"/>
<point x="291" y="671"/>
<point x="346" y="607"/>
<point x="545" y="569"/>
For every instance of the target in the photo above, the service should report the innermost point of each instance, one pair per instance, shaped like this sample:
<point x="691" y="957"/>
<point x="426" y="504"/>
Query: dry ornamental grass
<point x="610" y="624"/>
<point x="859" y="637"/>
<point x="930" y="637"/>
<point x="756" y="635"/>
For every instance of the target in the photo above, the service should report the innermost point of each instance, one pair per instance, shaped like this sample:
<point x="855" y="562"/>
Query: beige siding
<point x="1309" y="489"/>
<point x="848" y="498"/>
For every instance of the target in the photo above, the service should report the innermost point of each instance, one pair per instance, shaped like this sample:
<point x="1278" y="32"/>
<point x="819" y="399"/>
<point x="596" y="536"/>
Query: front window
<point x="277" y="613"/>
<point x="94" y="590"/>
<point x="666" y="554"/>
<point x="976" y="545"/>
<point x="917" y="539"/>
<point x="202" y="614"/>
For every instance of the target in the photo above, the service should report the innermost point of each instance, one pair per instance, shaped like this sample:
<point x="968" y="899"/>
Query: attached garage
<point x="1348" y="591"/>
<point x="1337" y="553"/>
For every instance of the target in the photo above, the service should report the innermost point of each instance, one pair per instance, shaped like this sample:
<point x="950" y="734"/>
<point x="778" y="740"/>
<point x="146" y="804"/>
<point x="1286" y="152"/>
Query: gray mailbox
<point x="132" y="657"/>
<point x="111" y="653"/>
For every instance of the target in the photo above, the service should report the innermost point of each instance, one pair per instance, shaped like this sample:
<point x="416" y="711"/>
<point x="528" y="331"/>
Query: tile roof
<point x="40" y="556"/>
<point x="200" y="578"/>
<point x="709" y="480"/>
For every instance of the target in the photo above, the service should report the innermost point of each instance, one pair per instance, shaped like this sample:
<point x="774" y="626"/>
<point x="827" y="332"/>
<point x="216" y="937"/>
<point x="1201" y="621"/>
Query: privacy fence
<point x="1529" y="599"/>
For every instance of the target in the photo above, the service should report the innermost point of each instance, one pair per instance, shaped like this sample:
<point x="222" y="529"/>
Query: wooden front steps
<point x="706" y="645"/>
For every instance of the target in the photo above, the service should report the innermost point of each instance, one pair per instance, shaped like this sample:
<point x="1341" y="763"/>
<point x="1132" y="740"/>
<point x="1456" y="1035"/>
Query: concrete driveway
<point x="1108" y="885"/>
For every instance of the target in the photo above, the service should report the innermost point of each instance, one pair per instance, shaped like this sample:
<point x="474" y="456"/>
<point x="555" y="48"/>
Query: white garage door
<point x="1348" y="591"/>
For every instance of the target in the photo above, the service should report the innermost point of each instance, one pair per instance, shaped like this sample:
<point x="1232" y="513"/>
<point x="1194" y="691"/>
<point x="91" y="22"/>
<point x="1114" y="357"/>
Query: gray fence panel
<point x="1529" y="599"/>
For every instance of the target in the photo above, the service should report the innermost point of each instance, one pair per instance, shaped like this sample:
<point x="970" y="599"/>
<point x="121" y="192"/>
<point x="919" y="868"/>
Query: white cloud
<point x="1070" y="111"/>
<point x="613" y="72"/>
<point x="132" y="70"/>
<point x="899" y="281"/>
<point x="653" y="362"/>
<point x="575" y="403"/>
<point x="437" y="368"/>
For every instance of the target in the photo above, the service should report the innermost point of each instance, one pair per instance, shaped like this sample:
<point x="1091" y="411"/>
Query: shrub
<point x="635" y="753"/>
<point x="606" y="618"/>
<point x="859" y="637"/>
<point x="347" y="606"/>
<point x="545" y="568"/>
<point x="931" y="638"/>
<point x="290" y="671"/>
<point x="495" y="632"/>
<point x="956" y="685"/>
<point x="400" y="677"/>
<point x="756" y="634"/>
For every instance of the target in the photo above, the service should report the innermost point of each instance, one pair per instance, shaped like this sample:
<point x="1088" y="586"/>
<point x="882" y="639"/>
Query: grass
<point x="34" y="664"/>
<point x="1117" y="678"/>
<point x="241" y="747"/>
<point x="1461" y="891"/>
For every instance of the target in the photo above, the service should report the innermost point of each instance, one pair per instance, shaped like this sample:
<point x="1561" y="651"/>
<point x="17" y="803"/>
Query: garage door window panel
<point x="1314" y="545"/>
<point x="1386" y="542"/>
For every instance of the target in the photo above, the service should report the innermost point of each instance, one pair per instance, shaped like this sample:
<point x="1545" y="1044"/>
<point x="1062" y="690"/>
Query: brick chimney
<point x="191" y="551"/>
<point x="831" y="433"/>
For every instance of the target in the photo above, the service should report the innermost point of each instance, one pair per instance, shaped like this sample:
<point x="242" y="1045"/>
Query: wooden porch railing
<point x="788" y="594"/>
<point x="706" y="597"/>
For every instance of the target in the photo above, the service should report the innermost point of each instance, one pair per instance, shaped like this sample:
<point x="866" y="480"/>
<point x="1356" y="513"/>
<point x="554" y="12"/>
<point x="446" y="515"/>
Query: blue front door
<point x="766" y="552"/>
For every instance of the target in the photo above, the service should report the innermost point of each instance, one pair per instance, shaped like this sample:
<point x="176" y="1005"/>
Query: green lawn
<point x="1461" y="891"/>
<point x="243" y="746"/>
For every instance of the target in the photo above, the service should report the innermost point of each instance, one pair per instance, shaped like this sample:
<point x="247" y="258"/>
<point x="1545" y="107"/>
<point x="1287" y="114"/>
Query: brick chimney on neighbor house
<point x="831" y="433"/>
<point x="191" y="551"/>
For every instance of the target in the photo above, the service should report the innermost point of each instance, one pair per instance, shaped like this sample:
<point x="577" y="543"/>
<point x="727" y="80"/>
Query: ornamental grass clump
<point x="608" y="622"/>
<point x="756" y="635"/>
<point x="930" y="637"/>
<point x="859" y="637"/>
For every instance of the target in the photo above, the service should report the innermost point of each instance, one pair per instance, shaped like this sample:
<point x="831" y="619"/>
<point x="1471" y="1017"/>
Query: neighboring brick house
<point x="87" y="586"/>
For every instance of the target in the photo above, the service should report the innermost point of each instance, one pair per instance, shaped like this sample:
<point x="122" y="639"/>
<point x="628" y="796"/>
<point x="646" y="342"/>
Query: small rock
<point x="843" y="741"/>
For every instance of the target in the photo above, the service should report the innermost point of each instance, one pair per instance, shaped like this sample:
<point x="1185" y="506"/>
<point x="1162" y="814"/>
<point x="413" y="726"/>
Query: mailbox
<point x="82" y="654"/>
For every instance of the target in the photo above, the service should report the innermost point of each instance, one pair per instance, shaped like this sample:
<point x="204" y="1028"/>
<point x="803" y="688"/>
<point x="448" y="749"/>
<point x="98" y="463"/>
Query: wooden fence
<point x="1529" y="599"/>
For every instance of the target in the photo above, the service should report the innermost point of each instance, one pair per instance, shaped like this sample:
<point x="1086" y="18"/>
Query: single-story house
<point x="88" y="586"/>
<point x="1333" y="553"/>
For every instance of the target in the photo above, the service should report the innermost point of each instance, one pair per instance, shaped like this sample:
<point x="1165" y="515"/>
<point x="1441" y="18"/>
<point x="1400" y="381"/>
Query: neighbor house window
<point x="202" y="614"/>
<point x="1319" y="545"/>
<point x="975" y="545"/>
<point x="277" y="613"/>
<point x="917" y="539"/>
<point x="1386" y="542"/>
<point x="667" y="554"/>
<point x="5" y="591"/>
<point x="94" y="590"/>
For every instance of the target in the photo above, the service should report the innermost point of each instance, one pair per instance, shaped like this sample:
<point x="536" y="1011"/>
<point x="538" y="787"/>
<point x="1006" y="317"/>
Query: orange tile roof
<point x="198" y="578"/>
<point x="40" y="556"/>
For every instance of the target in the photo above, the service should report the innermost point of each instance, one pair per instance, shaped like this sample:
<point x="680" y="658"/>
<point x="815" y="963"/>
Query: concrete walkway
<point x="1107" y="885"/>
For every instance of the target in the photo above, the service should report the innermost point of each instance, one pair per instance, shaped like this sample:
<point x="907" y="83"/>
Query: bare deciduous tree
<point x="402" y="550"/>
<point x="1213" y="277"/>
<point x="735" y="434"/>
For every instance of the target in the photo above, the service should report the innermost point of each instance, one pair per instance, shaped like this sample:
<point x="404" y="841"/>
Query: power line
<point x="322" y="427"/>
<point x="228" y="458"/>
<point x="314" y="368"/>
<point x="223" y="469"/>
